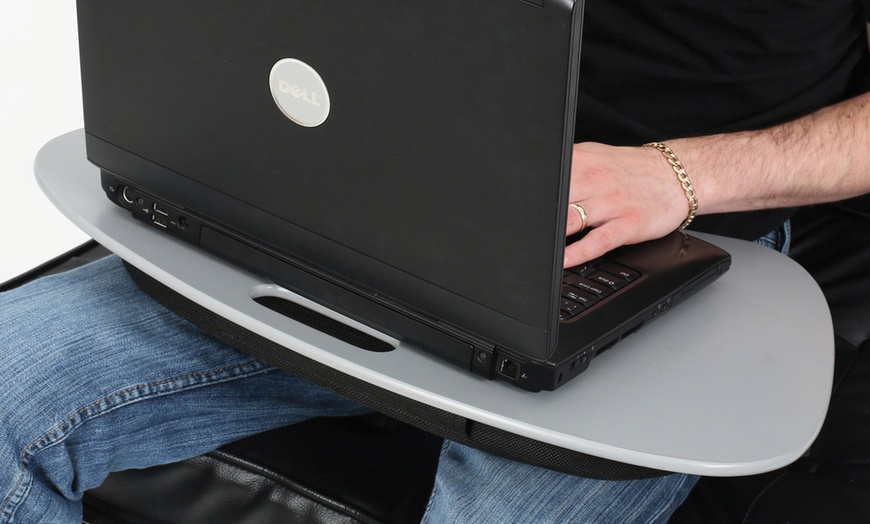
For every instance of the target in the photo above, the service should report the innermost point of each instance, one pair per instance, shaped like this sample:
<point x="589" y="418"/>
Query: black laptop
<point x="403" y="163"/>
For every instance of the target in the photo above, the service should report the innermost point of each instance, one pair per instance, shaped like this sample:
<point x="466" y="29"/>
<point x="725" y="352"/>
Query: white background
<point x="41" y="98"/>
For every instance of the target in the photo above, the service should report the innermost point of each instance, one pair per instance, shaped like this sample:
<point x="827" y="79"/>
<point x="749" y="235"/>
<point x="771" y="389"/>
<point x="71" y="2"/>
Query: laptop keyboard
<point x="585" y="285"/>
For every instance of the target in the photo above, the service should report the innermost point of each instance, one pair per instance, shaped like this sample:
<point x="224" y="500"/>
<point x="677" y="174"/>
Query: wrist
<point x="715" y="170"/>
<point x="682" y="177"/>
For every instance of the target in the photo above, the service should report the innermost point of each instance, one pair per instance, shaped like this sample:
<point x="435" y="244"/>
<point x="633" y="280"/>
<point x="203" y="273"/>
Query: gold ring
<point x="584" y="218"/>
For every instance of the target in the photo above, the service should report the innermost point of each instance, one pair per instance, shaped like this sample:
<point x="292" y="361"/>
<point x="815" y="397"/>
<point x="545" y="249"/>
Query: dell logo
<point x="299" y="92"/>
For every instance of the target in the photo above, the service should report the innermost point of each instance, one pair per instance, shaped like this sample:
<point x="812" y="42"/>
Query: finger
<point x="595" y="244"/>
<point x="576" y="221"/>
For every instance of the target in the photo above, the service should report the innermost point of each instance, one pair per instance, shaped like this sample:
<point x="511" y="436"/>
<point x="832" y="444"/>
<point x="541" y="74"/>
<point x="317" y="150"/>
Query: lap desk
<point x="734" y="382"/>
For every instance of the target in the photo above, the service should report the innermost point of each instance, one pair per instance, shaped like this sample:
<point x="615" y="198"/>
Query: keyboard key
<point x="585" y="285"/>
<point x="607" y="279"/>
<point x="596" y="289"/>
<point x="580" y="297"/>
<point x="583" y="270"/>
<point x="571" y="279"/>
<point x="621" y="271"/>
<point x="570" y="309"/>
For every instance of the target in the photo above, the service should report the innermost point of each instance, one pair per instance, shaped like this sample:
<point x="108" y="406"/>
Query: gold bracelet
<point x="684" y="181"/>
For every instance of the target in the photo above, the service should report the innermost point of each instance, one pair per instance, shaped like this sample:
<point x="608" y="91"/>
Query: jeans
<point x="778" y="239"/>
<point x="96" y="377"/>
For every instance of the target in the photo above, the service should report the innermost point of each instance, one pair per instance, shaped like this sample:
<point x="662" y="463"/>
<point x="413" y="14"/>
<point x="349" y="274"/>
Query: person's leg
<point x="96" y="377"/>
<point x="474" y="487"/>
<point x="779" y="239"/>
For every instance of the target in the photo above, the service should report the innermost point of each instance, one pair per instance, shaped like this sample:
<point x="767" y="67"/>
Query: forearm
<point x="630" y="194"/>
<point x="821" y="157"/>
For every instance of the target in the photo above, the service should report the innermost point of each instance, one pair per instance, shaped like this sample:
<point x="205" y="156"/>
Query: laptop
<point x="404" y="163"/>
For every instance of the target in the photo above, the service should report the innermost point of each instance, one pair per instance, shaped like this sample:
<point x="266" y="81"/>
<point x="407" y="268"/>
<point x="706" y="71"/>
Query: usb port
<point x="160" y="221"/>
<point x="159" y="209"/>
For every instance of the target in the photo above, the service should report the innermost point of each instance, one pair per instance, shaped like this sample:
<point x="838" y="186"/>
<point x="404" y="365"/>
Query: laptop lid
<point x="434" y="184"/>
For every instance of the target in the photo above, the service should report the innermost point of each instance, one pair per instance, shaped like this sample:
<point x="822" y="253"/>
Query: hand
<point x="630" y="194"/>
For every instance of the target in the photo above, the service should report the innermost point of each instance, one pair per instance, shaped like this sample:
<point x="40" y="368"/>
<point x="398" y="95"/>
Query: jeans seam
<point x="110" y="403"/>
<point x="441" y="456"/>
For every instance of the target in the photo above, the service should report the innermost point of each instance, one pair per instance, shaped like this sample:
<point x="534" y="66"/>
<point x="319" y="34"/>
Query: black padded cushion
<point x="433" y="420"/>
<point x="368" y="469"/>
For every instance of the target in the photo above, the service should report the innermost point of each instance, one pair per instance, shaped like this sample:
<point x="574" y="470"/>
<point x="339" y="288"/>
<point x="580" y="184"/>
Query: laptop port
<point x="509" y="369"/>
<point x="127" y="194"/>
<point x="632" y="330"/>
<point x="160" y="210"/>
<point x="160" y="221"/>
<point x="607" y="346"/>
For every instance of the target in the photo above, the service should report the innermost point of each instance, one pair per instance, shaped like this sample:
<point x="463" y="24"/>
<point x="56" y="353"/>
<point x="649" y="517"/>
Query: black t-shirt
<point x="659" y="69"/>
